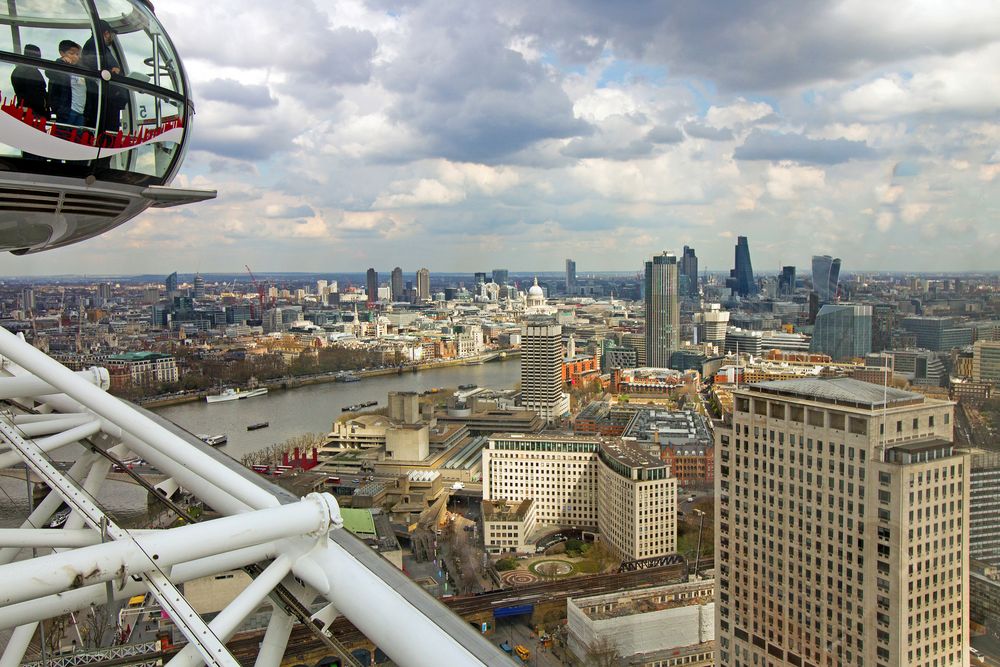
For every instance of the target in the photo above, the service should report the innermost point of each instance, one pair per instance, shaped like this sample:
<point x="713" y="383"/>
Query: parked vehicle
<point x="506" y="647"/>
<point x="522" y="652"/>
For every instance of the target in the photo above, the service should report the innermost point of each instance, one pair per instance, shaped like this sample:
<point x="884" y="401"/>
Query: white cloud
<point x="787" y="180"/>
<point x="738" y="114"/>
<point x="447" y="133"/>
<point x="605" y="102"/>
<point x="965" y="83"/>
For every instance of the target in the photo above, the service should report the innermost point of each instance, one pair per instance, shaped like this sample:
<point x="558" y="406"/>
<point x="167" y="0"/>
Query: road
<point x="990" y="649"/>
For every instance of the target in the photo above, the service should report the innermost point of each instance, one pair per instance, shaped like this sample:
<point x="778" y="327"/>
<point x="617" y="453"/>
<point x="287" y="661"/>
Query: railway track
<point x="245" y="647"/>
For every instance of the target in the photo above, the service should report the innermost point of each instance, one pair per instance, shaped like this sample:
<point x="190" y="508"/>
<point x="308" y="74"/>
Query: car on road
<point x="690" y="499"/>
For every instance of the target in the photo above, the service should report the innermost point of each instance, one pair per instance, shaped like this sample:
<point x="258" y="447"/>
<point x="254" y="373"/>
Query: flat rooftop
<point x="506" y="510"/>
<point x="640" y="601"/>
<point x="840" y="391"/>
<point x="631" y="455"/>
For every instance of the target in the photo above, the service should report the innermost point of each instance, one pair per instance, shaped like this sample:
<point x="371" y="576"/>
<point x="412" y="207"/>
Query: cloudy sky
<point x="464" y="136"/>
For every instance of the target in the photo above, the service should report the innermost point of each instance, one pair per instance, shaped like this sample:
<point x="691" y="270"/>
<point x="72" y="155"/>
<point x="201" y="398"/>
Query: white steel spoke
<point x="259" y="523"/>
<point x="194" y="628"/>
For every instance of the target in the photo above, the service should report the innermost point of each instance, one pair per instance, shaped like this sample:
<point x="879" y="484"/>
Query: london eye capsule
<point x="94" y="119"/>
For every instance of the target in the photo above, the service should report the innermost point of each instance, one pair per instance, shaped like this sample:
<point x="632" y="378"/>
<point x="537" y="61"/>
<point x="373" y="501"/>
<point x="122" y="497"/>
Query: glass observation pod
<point x="94" y="119"/>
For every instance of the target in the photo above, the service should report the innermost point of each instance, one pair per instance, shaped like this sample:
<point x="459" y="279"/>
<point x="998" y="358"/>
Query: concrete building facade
<point x="507" y="525"/>
<point x="663" y="314"/>
<point x="841" y="524"/>
<point x="636" y="501"/>
<point x="661" y="626"/>
<point x="586" y="482"/>
<point x="986" y="360"/>
<point x="984" y="507"/>
<point x="542" y="369"/>
<point x="423" y="285"/>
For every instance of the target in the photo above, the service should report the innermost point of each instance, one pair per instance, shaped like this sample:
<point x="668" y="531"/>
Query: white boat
<point x="214" y="440"/>
<point x="235" y="394"/>
<point x="59" y="518"/>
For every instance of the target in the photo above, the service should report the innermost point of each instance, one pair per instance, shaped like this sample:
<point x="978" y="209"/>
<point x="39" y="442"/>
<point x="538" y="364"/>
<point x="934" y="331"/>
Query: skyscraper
<point x="786" y="281"/>
<point x="199" y="286"/>
<point x="883" y="322"/>
<point x="688" y="273"/>
<point x="825" y="277"/>
<point x="842" y="527"/>
<point x="843" y="331"/>
<point x="541" y="369"/>
<point x="423" y="285"/>
<point x="711" y="323"/>
<point x="570" y="276"/>
<point x="28" y="299"/>
<point x="371" y="285"/>
<point x="663" y="313"/>
<point x="984" y="507"/>
<point x="396" y="284"/>
<point x="103" y="294"/>
<point x="741" y="277"/>
<point x="171" y="284"/>
<point x="479" y="277"/>
<point x="500" y="276"/>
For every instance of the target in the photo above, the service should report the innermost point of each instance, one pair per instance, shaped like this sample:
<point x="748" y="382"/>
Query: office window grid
<point x="809" y="543"/>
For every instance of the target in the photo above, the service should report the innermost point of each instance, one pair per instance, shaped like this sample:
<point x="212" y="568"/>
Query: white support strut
<point x="259" y="523"/>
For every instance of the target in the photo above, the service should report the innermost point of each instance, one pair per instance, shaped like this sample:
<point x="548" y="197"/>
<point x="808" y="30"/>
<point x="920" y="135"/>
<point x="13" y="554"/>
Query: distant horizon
<point x="241" y="276"/>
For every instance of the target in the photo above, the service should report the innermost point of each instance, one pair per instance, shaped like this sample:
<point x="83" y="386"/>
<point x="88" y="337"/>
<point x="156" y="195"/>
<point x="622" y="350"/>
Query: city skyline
<point x="635" y="137"/>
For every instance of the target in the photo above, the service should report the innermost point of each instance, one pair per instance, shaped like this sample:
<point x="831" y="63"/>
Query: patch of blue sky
<point x="623" y="70"/>
<point x="767" y="99"/>
<point x="552" y="60"/>
<point x="906" y="169"/>
<point x="703" y="92"/>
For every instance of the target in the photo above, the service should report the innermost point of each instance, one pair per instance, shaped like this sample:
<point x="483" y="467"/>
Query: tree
<point x="505" y="564"/>
<point x="97" y="624"/>
<point x="602" y="653"/>
<point x="600" y="554"/>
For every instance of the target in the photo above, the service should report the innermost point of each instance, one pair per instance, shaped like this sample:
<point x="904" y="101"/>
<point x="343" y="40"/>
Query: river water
<point x="310" y="409"/>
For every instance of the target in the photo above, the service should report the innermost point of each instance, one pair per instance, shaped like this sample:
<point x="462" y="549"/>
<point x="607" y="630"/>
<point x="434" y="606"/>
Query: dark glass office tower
<point x="570" y="276"/>
<point x="741" y="277"/>
<point x="396" y="284"/>
<point x="663" y="314"/>
<point x="786" y="281"/>
<point x="371" y="285"/>
<point x="689" y="272"/>
<point x="825" y="277"/>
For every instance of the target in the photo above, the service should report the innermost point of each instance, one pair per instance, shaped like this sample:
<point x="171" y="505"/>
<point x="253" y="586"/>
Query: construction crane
<point x="260" y="294"/>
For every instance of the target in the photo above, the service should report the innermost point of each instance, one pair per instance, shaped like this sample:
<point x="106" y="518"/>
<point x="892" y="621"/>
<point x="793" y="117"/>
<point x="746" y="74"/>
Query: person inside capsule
<point x="68" y="92"/>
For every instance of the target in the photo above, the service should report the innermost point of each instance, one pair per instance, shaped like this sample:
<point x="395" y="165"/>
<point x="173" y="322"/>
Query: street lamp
<point x="701" y="527"/>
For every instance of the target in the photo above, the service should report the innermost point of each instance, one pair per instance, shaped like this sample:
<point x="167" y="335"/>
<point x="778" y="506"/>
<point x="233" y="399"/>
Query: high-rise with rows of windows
<point x="663" y="314"/>
<point x="842" y="528"/>
<point x="542" y="369"/>
<point x="586" y="482"/>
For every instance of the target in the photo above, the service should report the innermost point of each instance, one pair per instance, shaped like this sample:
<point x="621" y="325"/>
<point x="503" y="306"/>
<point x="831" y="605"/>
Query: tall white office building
<point x="541" y="369"/>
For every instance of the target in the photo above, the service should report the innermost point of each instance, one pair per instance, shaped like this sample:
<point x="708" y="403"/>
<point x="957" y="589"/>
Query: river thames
<point x="291" y="412"/>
